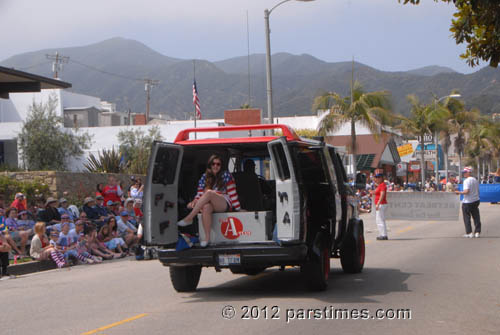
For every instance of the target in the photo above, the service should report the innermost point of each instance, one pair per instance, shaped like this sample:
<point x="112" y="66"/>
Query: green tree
<point x="422" y="121"/>
<point x="476" y="23"/>
<point x="369" y="109"/>
<point x="135" y="148"/>
<point x="44" y="143"/>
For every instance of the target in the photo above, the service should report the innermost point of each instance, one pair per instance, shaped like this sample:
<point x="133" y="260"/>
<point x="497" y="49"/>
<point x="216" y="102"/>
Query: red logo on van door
<point x="231" y="228"/>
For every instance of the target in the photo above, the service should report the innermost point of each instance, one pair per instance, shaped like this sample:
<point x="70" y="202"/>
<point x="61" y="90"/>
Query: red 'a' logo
<point x="231" y="228"/>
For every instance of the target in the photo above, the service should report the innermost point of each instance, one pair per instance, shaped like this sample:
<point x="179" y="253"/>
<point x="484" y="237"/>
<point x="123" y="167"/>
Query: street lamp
<point x="436" y="167"/>
<point x="267" y="12"/>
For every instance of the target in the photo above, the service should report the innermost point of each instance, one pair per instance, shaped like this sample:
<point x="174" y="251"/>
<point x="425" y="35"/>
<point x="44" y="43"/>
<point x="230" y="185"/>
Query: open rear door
<point x="161" y="193"/>
<point x="287" y="191"/>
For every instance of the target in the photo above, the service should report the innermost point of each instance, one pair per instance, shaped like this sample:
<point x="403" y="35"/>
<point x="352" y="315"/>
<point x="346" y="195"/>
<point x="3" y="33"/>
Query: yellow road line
<point x="404" y="230"/>
<point x="115" y="324"/>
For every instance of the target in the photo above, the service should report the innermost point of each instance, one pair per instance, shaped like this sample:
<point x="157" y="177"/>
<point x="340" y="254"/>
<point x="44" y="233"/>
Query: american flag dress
<point x="228" y="190"/>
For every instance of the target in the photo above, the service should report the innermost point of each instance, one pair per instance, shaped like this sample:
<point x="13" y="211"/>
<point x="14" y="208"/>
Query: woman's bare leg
<point x="13" y="244"/>
<point x="206" y="219"/>
<point x="24" y="239"/>
<point x="217" y="201"/>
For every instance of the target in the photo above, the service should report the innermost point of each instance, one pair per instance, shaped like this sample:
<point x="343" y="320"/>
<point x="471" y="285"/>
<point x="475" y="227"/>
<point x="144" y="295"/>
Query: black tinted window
<point x="311" y="166"/>
<point x="165" y="165"/>
<point x="281" y="162"/>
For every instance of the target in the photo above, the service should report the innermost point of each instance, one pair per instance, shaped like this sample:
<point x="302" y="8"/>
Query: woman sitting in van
<point x="216" y="193"/>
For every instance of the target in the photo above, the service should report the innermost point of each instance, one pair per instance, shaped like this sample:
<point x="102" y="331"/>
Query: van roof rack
<point x="287" y="131"/>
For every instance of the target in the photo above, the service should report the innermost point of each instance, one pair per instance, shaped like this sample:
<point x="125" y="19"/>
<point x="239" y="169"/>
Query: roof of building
<point x="370" y="152"/>
<point x="19" y="81"/>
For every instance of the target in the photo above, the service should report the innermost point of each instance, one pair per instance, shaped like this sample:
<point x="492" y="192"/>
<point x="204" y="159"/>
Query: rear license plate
<point x="225" y="260"/>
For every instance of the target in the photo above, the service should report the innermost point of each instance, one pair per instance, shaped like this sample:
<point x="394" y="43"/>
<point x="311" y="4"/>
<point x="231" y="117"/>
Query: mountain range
<point x="115" y="69"/>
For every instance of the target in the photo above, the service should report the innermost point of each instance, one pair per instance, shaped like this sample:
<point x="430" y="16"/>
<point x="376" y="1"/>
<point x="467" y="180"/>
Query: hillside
<point x="114" y="70"/>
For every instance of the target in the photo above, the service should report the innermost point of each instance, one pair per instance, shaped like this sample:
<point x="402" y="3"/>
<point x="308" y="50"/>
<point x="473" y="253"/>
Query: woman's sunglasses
<point x="215" y="164"/>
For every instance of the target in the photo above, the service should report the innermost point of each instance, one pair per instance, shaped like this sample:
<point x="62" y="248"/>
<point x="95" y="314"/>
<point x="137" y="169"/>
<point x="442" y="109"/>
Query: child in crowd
<point x="67" y="246"/>
<point x="109" y="236"/>
<point x="78" y="237"/>
<point x="41" y="249"/>
<point x="97" y="247"/>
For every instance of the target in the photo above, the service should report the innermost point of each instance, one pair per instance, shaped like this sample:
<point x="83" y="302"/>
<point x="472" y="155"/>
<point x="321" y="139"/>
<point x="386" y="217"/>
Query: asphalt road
<point x="448" y="283"/>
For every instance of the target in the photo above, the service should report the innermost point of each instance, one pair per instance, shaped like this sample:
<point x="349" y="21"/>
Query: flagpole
<point x="194" y="80"/>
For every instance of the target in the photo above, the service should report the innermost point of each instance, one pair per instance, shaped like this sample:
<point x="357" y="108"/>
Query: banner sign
<point x="420" y="206"/>
<point x="405" y="149"/>
<point x="487" y="192"/>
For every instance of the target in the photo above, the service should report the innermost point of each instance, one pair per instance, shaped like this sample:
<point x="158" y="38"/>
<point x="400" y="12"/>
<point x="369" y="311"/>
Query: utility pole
<point x="148" y="85"/>
<point x="58" y="60"/>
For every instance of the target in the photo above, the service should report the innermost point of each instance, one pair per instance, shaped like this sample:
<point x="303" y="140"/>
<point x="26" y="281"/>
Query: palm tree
<point x="369" y="109"/>
<point x="461" y="122"/>
<point x="478" y="144"/>
<point x="483" y="143"/>
<point x="422" y="121"/>
<point x="455" y="107"/>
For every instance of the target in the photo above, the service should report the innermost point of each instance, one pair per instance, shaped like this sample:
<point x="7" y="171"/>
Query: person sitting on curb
<point x="41" y="249"/>
<point x="64" y="219"/>
<point x="98" y="248"/>
<point x="64" y="209"/>
<point x="93" y="214"/>
<point x="109" y="236"/>
<point x="112" y="208"/>
<point x="101" y="208"/>
<point x="127" y="231"/>
<point x="129" y="207"/>
<point x="50" y="215"/>
<point x="18" y="234"/>
<point x="137" y="210"/>
<point x="24" y="221"/>
<point x="77" y="236"/>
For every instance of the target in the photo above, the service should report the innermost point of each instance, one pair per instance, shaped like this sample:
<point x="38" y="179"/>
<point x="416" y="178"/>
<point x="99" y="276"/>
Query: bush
<point x="33" y="190"/>
<point x="107" y="161"/>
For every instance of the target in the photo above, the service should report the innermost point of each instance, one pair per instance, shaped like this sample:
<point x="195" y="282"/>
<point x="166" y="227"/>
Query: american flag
<point x="196" y="101"/>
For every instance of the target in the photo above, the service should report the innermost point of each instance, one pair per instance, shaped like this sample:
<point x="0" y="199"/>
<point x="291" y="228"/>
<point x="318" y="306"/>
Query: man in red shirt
<point x="112" y="191"/>
<point x="380" y="206"/>
<point x="19" y="203"/>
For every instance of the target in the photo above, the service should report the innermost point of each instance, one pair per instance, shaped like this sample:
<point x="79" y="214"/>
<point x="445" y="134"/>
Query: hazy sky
<point x="380" y="33"/>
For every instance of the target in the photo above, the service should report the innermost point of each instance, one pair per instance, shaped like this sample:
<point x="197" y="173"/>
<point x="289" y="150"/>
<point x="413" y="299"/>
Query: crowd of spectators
<point x="108" y="225"/>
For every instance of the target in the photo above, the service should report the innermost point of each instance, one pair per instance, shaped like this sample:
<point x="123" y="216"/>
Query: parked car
<point x="299" y="212"/>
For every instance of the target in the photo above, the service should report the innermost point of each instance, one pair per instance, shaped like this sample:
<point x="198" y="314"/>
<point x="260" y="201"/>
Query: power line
<point x="35" y="65"/>
<point x="105" y="72"/>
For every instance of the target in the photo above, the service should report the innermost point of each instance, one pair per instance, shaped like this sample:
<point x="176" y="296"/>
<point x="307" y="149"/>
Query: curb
<point x="31" y="267"/>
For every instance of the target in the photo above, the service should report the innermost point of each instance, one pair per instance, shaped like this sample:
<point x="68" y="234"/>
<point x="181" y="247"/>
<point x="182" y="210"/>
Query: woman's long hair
<point x="214" y="181"/>
<point x="115" y="227"/>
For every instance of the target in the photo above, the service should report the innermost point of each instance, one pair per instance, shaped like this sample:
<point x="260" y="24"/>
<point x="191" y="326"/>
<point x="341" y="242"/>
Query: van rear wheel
<point x="185" y="278"/>
<point x="352" y="254"/>
<point x="317" y="270"/>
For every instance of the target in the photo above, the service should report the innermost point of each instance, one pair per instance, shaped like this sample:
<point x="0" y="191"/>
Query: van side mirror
<point x="360" y="181"/>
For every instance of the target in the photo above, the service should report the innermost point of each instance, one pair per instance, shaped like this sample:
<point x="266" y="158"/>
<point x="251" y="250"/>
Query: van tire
<point x="352" y="253"/>
<point x="185" y="278"/>
<point x="317" y="270"/>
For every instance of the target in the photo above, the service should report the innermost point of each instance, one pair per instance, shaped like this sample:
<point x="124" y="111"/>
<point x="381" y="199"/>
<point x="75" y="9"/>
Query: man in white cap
<point x="470" y="203"/>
